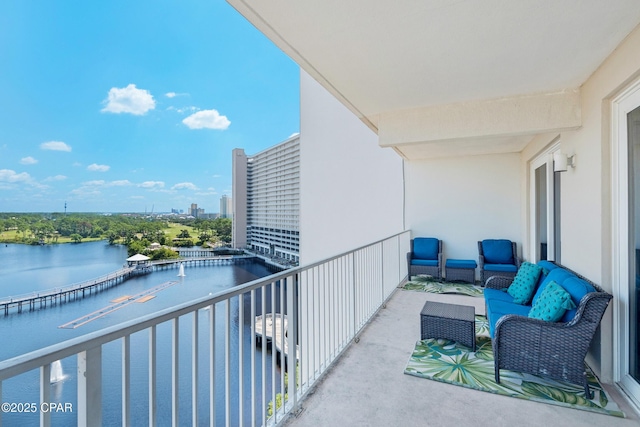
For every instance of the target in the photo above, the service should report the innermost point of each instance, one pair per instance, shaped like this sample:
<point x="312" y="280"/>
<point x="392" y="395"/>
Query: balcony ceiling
<point x="426" y="74"/>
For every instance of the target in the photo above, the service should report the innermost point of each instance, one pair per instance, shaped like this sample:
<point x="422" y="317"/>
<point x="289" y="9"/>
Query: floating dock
<point x="117" y="304"/>
<point x="274" y="329"/>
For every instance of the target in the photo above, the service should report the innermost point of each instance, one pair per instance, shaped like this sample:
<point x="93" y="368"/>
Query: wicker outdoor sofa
<point x="538" y="347"/>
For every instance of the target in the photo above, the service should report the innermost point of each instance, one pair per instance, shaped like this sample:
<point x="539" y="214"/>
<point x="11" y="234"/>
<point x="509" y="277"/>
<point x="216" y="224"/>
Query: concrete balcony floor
<point x="368" y="387"/>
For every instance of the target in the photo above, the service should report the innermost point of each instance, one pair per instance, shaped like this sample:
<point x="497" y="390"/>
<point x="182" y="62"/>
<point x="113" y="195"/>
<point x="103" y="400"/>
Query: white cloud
<point x="152" y="184"/>
<point x="98" y="168"/>
<point x="129" y="99"/>
<point x="8" y="175"/>
<point x="174" y="94"/>
<point x="182" y="110"/>
<point x="55" y="146"/>
<point x="103" y="183"/>
<point x="9" y="178"/>
<point x="55" y="178"/>
<point x="28" y="161"/>
<point x="84" y="192"/>
<point x="207" y="119"/>
<point x="184" y="186"/>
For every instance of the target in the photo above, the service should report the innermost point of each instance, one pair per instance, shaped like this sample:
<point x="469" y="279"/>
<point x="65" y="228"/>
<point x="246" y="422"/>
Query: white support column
<point x="45" y="394"/>
<point x="194" y="371"/>
<point x="292" y="337"/>
<point x="227" y="363"/>
<point x="241" y="359"/>
<point x="152" y="376"/>
<point x="90" y="387"/>
<point x="175" y="372"/>
<point x="212" y="365"/>
<point x="126" y="380"/>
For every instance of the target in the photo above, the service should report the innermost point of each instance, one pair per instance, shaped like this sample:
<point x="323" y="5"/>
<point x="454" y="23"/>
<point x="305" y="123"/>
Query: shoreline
<point x="15" y="242"/>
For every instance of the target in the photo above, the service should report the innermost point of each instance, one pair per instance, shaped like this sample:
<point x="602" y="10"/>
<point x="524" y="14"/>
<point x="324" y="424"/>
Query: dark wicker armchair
<point x="497" y="257"/>
<point x="425" y="257"/>
<point x="555" y="350"/>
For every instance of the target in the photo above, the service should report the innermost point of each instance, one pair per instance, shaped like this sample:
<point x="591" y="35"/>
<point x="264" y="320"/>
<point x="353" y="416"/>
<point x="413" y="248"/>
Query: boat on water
<point x="274" y="329"/>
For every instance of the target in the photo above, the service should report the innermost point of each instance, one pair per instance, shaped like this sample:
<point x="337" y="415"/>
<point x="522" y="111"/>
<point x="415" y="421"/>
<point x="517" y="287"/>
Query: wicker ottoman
<point x="463" y="270"/>
<point x="449" y="321"/>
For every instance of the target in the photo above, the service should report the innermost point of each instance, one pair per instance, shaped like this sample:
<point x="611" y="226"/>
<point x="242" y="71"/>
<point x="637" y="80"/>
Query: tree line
<point x="135" y="231"/>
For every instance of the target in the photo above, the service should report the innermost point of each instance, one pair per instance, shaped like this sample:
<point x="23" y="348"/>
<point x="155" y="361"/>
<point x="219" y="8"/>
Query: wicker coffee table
<point x="449" y="321"/>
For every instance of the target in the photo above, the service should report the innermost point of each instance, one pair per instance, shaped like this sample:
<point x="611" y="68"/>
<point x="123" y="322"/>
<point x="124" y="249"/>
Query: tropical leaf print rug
<point x="429" y="284"/>
<point x="448" y="362"/>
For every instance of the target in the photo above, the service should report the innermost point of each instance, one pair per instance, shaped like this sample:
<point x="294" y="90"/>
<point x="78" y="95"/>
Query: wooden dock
<point x="201" y="261"/>
<point x="73" y="292"/>
<point x="274" y="327"/>
<point x="49" y="297"/>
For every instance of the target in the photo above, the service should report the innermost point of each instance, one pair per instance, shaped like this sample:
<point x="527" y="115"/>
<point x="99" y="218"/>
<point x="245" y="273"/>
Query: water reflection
<point x="32" y="330"/>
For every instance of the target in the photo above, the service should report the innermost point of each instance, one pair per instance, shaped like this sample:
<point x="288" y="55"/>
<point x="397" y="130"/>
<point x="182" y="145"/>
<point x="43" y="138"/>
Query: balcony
<point x="353" y="332"/>
<point x="367" y="386"/>
<point x="199" y="362"/>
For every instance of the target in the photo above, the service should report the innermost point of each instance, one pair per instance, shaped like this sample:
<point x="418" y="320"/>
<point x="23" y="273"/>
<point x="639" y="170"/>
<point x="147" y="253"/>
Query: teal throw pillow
<point x="524" y="284"/>
<point x="552" y="303"/>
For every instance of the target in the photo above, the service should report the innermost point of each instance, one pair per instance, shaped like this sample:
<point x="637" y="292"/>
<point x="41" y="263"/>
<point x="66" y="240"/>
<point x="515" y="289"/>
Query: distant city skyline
<point x="127" y="110"/>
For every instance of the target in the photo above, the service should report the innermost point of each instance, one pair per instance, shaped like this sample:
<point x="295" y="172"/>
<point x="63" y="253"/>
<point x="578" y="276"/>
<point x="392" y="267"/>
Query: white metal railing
<point x="232" y="378"/>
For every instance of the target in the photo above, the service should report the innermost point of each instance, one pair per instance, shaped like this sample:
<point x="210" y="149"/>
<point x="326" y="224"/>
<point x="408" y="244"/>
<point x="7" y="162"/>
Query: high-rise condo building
<point x="226" y="206"/>
<point x="266" y="200"/>
<point x="195" y="212"/>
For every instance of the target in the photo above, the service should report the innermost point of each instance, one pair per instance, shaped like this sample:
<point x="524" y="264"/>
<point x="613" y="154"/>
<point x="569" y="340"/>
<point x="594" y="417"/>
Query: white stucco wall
<point x="463" y="200"/>
<point x="351" y="190"/>
<point x="586" y="190"/>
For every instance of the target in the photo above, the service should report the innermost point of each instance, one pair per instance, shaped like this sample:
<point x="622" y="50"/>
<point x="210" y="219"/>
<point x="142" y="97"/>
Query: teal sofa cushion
<point x="461" y="263"/>
<point x="497" y="251"/>
<point x="577" y="288"/>
<point x="558" y="275"/>
<point x="496" y="309"/>
<point x="547" y="266"/>
<point x="510" y="268"/>
<point x="425" y="248"/>
<point x="497" y="294"/>
<point x="425" y="262"/>
<point x="524" y="284"/>
<point x="552" y="304"/>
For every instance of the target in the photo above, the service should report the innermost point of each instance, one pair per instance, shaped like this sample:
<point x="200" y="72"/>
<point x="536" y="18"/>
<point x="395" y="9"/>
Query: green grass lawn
<point x="13" y="236"/>
<point x="175" y="229"/>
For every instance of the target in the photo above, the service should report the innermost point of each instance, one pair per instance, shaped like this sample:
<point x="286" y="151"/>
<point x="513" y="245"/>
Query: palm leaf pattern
<point x="425" y="283"/>
<point x="446" y="361"/>
<point x="482" y="326"/>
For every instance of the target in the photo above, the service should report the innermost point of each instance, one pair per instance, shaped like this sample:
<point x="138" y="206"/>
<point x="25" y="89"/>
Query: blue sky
<point x="127" y="106"/>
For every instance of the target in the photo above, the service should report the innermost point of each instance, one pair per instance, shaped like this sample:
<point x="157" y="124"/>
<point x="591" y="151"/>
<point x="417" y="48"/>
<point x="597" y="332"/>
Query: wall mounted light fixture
<point x="561" y="161"/>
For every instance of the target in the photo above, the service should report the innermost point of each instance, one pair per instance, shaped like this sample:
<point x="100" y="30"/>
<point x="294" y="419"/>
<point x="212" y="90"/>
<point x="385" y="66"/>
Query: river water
<point x="25" y="269"/>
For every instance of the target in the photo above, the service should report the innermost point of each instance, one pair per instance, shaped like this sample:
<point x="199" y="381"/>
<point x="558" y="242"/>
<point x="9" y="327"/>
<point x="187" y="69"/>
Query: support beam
<point x="480" y="127"/>
<point x="90" y="387"/>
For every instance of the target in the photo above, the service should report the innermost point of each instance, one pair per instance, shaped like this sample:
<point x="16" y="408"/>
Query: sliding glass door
<point x="626" y="238"/>
<point x="545" y="208"/>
